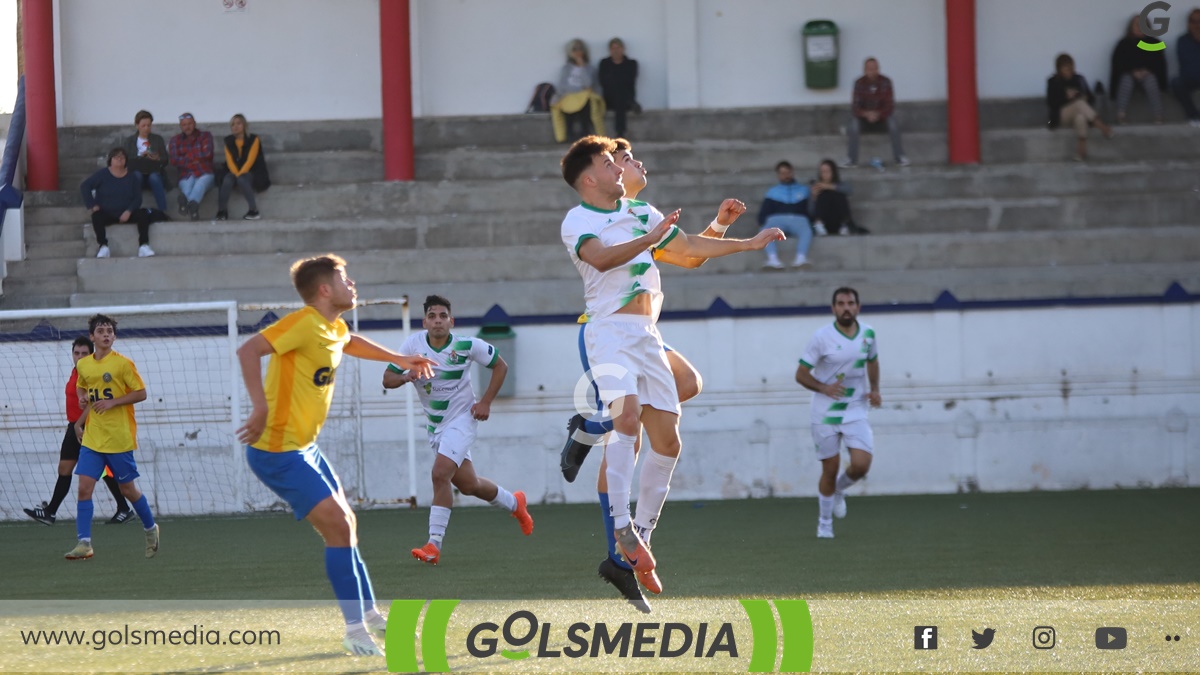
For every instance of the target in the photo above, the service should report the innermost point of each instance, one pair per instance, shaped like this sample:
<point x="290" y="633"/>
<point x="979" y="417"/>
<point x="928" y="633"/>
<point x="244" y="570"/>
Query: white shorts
<point x="454" y="438"/>
<point x="625" y="356"/>
<point x="828" y="438"/>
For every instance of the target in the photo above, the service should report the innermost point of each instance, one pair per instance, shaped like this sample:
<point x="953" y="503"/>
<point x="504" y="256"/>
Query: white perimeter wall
<point x="304" y="59"/>
<point x="999" y="400"/>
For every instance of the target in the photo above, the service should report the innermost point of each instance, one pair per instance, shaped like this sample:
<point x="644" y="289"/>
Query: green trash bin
<point x="497" y="332"/>
<point x="820" y="54"/>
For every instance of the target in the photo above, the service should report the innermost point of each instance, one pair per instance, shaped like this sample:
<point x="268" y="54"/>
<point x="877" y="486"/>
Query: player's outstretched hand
<point x="663" y="227"/>
<point x="875" y="399"/>
<point x="421" y="367"/>
<point x="481" y="411"/>
<point x="254" y="426"/>
<point x="729" y="212"/>
<point x="760" y="240"/>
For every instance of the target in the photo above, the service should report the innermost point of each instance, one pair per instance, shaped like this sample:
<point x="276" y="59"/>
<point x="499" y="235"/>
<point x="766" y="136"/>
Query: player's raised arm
<point x="395" y="380"/>
<point x="363" y="348"/>
<point x="705" y="247"/>
<point x="605" y="258"/>
<point x="250" y="357"/>
<point x="727" y="214"/>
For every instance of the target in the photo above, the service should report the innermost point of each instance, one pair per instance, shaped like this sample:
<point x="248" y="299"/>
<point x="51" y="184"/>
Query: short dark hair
<point x="622" y="145"/>
<point x="435" y="301"/>
<point x="83" y="341"/>
<point x="101" y="320"/>
<point x="308" y="274"/>
<point x="844" y="290"/>
<point x="142" y="115"/>
<point x="579" y="157"/>
<point x="783" y="164"/>
<point x="1063" y="60"/>
<point x="113" y="153"/>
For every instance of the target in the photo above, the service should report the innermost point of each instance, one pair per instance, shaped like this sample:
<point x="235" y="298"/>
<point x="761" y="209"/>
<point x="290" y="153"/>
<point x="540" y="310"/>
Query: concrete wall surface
<point x="996" y="400"/>
<point x="309" y="60"/>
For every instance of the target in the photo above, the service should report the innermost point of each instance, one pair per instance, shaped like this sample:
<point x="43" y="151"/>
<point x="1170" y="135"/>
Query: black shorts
<point x="70" y="445"/>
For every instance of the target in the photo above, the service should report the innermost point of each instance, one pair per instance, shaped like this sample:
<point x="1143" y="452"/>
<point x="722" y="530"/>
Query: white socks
<point x="504" y="499"/>
<point x="826" y="504"/>
<point x="844" y="482"/>
<point x="652" y="491"/>
<point x="439" y="520"/>
<point x="620" y="458"/>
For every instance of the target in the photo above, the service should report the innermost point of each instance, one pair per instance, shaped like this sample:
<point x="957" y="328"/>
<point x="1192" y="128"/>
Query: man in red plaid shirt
<point x="873" y="104"/>
<point x="192" y="152"/>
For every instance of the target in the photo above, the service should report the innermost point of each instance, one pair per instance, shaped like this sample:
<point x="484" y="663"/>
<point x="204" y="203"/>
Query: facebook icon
<point x="925" y="637"/>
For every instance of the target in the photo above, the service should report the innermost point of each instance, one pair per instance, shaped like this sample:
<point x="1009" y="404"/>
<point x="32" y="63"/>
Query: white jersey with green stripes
<point x="606" y="292"/>
<point x="448" y="394"/>
<point x="835" y="357"/>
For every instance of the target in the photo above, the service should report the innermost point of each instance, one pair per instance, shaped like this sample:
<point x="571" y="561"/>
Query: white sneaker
<point x="800" y="261"/>
<point x="772" y="263"/>
<point x="103" y="252"/>
<point x="824" y="529"/>
<point x="903" y="161"/>
<point x="819" y="229"/>
<point x="839" y="505"/>
<point x="144" y="251"/>
<point x="1195" y="123"/>
<point x="359" y="643"/>
<point x="844" y="230"/>
<point x="848" y="164"/>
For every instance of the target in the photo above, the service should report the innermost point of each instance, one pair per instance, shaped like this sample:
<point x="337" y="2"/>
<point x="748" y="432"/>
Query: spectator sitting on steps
<point x="786" y="207"/>
<point x="114" y="195"/>
<point x="192" y="152"/>
<point x="829" y="203"/>
<point x="1133" y="65"/>
<point x="578" y="87"/>
<point x="245" y="166"/>
<point x="618" y="79"/>
<point x="1188" y="51"/>
<point x="873" y="104"/>
<point x="147" y="154"/>
<point x="1069" y="100"/>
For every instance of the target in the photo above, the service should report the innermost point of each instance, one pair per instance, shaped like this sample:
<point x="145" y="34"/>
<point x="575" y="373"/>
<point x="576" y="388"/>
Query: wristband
<point x="717" y="227"/>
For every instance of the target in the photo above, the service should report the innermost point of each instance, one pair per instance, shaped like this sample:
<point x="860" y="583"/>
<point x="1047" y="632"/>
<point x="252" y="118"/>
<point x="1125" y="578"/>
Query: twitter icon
<point x="984" y="639"/>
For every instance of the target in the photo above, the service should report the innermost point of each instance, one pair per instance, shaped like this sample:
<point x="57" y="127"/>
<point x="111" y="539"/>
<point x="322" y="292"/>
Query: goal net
<point x="188" y="457"/>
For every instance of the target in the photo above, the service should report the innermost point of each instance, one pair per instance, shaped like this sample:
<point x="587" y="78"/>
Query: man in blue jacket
<point x="786" y="207"/>
<point x="1188" y="51"/>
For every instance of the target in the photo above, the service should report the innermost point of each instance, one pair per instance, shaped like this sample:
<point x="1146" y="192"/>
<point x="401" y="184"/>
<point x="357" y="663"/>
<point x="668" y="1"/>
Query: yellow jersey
<point x="300" y="374"/>
<point x="114" y="430"/>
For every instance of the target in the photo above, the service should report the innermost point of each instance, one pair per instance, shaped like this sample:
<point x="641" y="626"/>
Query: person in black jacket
<point x="1133" y="65"/>
<point x="148" y="157"/>
<point x="1070" y="102"/>
<point x="245" y="167"/>
<point x="618" y="81"/>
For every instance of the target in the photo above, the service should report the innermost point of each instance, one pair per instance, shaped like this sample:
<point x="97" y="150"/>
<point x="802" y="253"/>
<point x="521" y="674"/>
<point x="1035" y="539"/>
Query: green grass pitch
<point x="978" y="550"/>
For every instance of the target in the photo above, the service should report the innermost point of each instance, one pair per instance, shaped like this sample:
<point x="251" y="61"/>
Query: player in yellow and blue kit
<point x="109" y="385"/>
<point x="306" y="348"/>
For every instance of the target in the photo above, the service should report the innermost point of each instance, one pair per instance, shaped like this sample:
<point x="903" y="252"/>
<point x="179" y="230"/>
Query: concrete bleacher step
<point x="303" y="136"/>
<point x="49" y="250"/>
<point x="697" y="291"/>
<point x="372" y="266"/>
<point x="287" y="168"/>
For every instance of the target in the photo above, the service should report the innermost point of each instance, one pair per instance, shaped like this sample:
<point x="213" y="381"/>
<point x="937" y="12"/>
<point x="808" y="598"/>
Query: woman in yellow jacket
<point x="246" y="167"/>
<point x="578" y="87"/>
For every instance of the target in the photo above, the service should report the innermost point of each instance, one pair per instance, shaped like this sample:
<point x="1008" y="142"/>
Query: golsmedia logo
<point x="1156" y="28"/>
<point x="521" y="635"/>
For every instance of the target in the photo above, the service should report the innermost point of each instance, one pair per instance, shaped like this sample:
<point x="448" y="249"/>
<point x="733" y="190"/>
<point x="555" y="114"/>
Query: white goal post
<point x="188" y="456"/>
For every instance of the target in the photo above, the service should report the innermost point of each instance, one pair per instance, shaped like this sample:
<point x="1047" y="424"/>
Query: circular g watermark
<point x="1156" y="28"/>
<point x="607" y="381"/>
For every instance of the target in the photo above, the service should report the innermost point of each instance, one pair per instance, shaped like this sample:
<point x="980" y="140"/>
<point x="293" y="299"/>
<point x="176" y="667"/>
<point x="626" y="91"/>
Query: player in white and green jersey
<point x="838" y="364"/>
<point x="453" y="415"/>
<point x="610" y="240"/>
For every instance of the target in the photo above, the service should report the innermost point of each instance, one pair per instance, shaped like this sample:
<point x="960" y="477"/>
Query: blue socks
<point x="340" y="568"/>
<point x="364" y="581"/>
<point x="608" y="533"/>
<point x="83" y="518"/>
<point x="598" y="425"/>
<point x="143" y="510"/>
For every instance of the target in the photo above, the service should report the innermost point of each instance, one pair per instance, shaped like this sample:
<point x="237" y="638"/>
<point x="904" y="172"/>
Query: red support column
<point x="962" y="105"/>
<point x="41" y="111"/>
<point x="395" y="54"/>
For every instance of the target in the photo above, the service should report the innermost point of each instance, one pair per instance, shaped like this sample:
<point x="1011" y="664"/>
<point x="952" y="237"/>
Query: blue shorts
<point x="301" y="477"/>
<point x="91" y="464"/>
